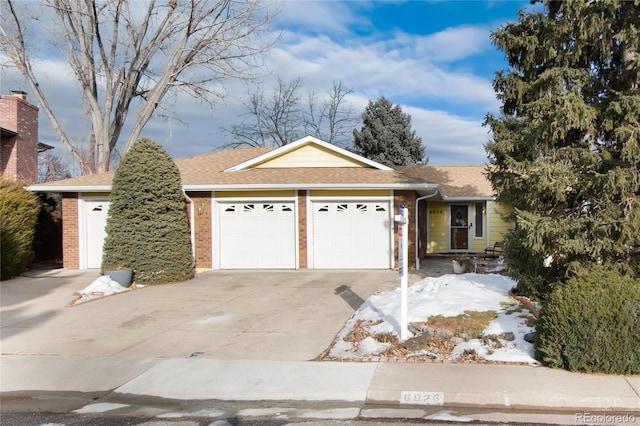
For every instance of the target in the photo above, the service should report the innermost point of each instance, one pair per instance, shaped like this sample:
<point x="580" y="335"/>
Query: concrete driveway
<point x="270" y="315"/>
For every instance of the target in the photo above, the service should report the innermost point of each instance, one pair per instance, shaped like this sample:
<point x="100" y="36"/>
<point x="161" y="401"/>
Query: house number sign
<point x="422" y="398"/>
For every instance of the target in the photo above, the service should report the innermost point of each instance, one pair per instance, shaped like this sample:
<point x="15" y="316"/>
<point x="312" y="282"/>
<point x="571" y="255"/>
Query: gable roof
<point x="211" y="172"/>
<point x="328" y="149"/>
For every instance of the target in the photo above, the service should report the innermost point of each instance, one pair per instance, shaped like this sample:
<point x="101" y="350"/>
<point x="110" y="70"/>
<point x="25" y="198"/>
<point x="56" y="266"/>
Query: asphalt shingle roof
<point x="209" y="169"/>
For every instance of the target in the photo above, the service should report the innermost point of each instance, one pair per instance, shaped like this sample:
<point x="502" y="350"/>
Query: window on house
<point x="479" y="222"/>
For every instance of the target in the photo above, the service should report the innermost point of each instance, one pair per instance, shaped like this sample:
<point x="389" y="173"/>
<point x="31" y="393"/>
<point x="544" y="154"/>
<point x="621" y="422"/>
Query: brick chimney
<point x="19" y="142"/>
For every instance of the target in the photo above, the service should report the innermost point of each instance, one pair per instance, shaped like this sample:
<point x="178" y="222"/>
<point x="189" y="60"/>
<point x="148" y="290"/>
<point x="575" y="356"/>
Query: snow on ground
<point x="100" y="287"/>
<point x="447" y="295"/>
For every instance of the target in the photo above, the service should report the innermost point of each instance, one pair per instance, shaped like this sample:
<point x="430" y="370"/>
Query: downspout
<point x="192" y="230"/>
<point x="417" y="236"/>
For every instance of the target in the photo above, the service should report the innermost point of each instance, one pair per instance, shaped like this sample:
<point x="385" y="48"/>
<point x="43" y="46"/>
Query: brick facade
<point x="70" y="237"/>
<point x="19" y="143"/>
<point x="302" y="229"/>
<point x="407" y="199"/>
<point x="202" y="228"/>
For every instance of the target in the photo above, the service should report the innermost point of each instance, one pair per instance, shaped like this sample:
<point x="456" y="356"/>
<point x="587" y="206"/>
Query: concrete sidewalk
<point x="400" y="388"/>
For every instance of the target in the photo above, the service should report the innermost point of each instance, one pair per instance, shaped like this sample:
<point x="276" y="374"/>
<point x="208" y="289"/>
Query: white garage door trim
<point x="381" y="258"/>
<point x="285" y="229"/>
<point x="91" y="233"/>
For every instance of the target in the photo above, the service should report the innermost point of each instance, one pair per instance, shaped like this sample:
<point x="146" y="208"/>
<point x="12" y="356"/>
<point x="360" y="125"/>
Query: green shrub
<point x="592" y="324"/>
<point x="18" y="215"/>
<point x="147" y="226"/>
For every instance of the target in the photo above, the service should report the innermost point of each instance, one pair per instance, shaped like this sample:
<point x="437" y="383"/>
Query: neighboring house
<point x="19" y="146"/>
<point x="308" y="204"/>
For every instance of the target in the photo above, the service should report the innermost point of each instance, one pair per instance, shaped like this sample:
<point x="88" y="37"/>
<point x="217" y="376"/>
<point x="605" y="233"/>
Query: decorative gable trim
<point x="283" y="150"/>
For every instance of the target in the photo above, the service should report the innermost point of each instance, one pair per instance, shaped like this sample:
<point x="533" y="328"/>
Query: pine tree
<point x="386" y="136"/>
<point x="566" y="147"/>
<point x="147" y="227"/>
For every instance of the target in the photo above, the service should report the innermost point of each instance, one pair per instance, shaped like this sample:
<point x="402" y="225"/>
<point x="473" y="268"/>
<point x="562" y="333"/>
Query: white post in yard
<point x="403" y="265"/>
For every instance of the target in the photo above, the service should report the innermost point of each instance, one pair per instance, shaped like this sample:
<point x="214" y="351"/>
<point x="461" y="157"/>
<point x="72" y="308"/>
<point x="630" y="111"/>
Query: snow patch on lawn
<point x="448" y="295"/>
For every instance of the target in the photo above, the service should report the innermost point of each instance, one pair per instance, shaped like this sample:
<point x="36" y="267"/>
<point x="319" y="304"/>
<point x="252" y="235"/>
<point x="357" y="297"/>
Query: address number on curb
<point x="422" y="398"/>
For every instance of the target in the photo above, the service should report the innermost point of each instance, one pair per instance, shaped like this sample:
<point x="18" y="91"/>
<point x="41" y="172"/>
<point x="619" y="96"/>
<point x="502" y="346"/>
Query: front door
<point x="459" y="227"/>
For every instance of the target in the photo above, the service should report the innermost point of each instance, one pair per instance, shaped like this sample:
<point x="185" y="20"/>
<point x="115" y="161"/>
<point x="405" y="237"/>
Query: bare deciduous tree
<point x="120" y="51"/>
<point x="332" y="119"/>
<point x="272" y="121"/>
<point x="281" y="118"/>
<point x="51" y="168"/>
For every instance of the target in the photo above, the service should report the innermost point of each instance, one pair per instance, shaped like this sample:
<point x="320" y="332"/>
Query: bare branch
<point x="119" y="51"/>
<point x="279" y="119"/>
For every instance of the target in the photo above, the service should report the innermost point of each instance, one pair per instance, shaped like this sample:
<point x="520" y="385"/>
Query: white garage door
<point x="257" y="235"/>
<point x="351" y="234"/>
<point x="95" y="220"/>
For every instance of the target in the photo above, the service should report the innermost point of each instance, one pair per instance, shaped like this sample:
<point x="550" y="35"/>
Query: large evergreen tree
<point x="566" y="147"/>
<point x="386" y="135"/>
<point x="147" y="227"/>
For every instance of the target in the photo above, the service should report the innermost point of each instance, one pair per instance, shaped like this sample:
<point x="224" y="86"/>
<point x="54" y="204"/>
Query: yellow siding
<point x="478" y="244"/>
<point x="310" y="155"/>
<point x="95" y="194"/>
<point x="437" y="233"/>
<point x="254" y="194"/>
<point x="499" y="226"/>
<point x="356" y="193"/>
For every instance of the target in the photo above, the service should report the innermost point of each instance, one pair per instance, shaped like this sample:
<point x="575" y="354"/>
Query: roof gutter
<point x="245" y="187"/>
<point x="267" y="186"/>
<point x="56" y="188"/>
<point x="490" y="198"/>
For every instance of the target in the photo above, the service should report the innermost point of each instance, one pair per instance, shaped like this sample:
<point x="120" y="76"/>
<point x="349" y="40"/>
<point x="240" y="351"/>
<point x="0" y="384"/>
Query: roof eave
<point x="65" y="188"/>
<point x="463" y="198"/>
<point x="277" y="186"/>
<point x="281" y="186"/>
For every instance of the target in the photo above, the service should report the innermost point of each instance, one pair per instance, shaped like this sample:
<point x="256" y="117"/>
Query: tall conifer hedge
<point x="147" y="228"/>
<point x="18" y="216"/>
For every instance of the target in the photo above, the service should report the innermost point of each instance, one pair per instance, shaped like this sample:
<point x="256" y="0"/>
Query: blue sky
<point x="433" y="58"/>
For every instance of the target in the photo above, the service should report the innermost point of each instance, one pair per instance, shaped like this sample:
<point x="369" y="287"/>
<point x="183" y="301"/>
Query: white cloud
<point x="454" y="43"/>
<point x="321" y="16"/>
<point x="449" y="139"/>
<point x="376" y="69"/>
<point x="425" y="74"/>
